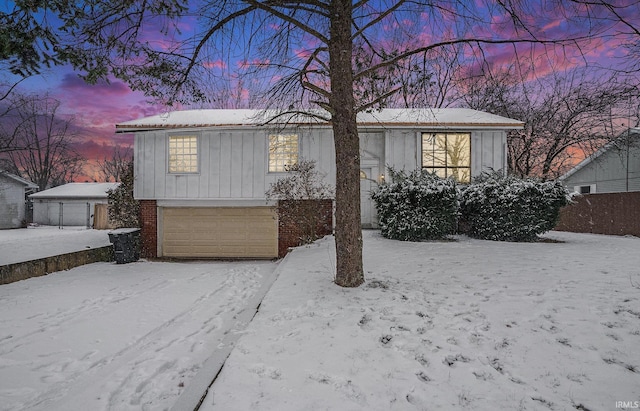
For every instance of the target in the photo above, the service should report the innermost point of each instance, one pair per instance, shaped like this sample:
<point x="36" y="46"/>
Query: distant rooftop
<point x="438" y="118"/>
<point x="76" y="190"/>
<point x="19" y="179"/>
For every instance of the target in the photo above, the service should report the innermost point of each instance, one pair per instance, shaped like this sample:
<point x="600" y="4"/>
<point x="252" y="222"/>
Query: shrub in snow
<point x="123" y="208"/>
<point x="416" y="206"/>
<point x="302" y="183"/>
<point x="507" y="208"/>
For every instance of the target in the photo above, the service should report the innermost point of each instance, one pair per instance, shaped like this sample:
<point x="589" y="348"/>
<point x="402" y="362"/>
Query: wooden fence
<point x="101" y="217"/>
<point x="604" y="213"/>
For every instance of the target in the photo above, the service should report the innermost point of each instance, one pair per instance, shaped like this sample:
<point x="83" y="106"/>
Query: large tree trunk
<point x="349" y="271"/>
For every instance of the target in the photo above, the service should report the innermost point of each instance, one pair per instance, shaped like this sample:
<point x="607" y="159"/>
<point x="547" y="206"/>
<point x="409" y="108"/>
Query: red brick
<point x="149" y="230"/>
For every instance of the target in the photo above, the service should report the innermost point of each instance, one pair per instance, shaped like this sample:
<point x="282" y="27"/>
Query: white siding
<point x="609" y="172"/>
<point x="12" y="204"/>
<point x="233" y="164"/>
<point x="74" y="212"/>
<point x="487" y="151"/>
<point x="233" y="161"/>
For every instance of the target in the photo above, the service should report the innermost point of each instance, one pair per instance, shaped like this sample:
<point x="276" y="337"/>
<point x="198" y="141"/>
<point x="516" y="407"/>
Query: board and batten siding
<point x="488" y="149"/>
<point x="232" y="163"/>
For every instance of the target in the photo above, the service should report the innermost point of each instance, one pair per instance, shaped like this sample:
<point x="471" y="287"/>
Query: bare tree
<point x="115" y="167"/>
<point x="567" y="115"/>
<point x="337" y="55"/>
<point x="45" y="153"/>
<point x="622" y="19"/>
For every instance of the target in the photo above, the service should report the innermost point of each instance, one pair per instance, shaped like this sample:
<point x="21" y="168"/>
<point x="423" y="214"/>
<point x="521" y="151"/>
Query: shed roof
<point x="76" y="191"/>
<point x="437" y="118"/>
<point x="18" y="179"/>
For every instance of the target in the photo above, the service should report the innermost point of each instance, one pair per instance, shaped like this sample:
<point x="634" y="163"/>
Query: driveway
<point x="126" y="337"/>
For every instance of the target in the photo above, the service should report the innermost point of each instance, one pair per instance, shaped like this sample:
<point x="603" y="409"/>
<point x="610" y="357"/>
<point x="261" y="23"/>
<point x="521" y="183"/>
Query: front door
<point x="365" y="197"/>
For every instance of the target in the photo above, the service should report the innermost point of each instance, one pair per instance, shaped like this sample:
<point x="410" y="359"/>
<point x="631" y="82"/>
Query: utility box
<point x="126" y="244"/>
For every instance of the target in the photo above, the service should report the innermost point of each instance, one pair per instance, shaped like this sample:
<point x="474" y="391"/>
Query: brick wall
<point x="149" y="228"/>
<point x="300" y="219"/>
<point x="606" y="213"/>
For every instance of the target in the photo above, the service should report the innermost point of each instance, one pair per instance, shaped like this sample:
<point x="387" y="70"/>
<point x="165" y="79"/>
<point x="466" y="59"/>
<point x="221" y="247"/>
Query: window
<point x="584" y="189"/>
<point x="447" y="155"/>
<point x="183" y="154"/>
<point x="283" y="152"/>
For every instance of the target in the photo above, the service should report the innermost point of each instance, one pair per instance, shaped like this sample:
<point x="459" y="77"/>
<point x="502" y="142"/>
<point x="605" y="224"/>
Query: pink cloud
<point x="215" y="64"/>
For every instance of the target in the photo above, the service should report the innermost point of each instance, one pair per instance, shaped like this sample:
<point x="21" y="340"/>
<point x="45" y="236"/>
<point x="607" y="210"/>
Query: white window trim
<point x="268" y="142"/>
<point x="198" y="150"/>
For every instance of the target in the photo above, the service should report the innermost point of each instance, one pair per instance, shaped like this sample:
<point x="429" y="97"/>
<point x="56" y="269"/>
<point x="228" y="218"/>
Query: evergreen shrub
<point x="416" y="206"/>
<point x="508" y="208"/>
<point x="124" y="210"/>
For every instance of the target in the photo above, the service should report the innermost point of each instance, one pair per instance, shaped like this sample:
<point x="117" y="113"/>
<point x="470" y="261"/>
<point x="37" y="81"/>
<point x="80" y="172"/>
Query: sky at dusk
<point x="96" y="109"/>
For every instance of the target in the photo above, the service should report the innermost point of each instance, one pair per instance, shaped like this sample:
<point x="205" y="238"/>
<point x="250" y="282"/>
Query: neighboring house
<point x="70" y="204"/>
<point x="201" y="175"/>
<point x="614" y="168"/>
<point x="13" y="195"/>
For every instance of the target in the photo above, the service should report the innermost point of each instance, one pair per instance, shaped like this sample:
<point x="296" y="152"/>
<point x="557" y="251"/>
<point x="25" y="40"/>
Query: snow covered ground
<point x="466" y="324"/>
<point x="117" y="337"/>
<point x="46" y="241"/>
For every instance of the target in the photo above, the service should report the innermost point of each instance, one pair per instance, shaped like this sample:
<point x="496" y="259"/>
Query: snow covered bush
<point x="299" y="196"/>
<point x="416" y="206"/>
<point x="124" y="210"/>
<point x="507" y="208"/>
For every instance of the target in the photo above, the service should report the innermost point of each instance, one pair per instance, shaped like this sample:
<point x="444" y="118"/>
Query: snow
<point x="46" y="241"/>
<point x="77" y="190"/>
<point x="446" y="325"/>
<point x="437" y="117"/>
<point x="438" y="325"/>
<point x="117" y="337"/>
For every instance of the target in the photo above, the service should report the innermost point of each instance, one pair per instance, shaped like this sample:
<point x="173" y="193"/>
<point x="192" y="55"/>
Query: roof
<point x="18" y="179"/>
<point x="597" y="154"/>
<point x="76" y="190"/>
<point x="436" y="118"/>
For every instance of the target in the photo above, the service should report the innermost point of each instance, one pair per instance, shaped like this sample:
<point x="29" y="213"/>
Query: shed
<point x="13" y="193"/>
<point x="71" y="204"/>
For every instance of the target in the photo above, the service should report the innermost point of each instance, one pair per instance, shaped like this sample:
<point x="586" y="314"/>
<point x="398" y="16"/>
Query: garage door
<point x="235" y="232"/>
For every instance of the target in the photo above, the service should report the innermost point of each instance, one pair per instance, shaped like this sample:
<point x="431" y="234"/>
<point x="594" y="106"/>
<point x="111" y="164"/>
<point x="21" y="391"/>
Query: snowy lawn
<point x="31" y="243"/>
<point x="468" y="324"/>
<point x="117" y="337"/>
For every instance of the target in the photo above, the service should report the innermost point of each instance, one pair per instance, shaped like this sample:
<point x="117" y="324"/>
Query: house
<point x="201" y="175"/>
<point x="70" y="204"/>
<point x="13" y="195"/>
<point x="614" y="168"/>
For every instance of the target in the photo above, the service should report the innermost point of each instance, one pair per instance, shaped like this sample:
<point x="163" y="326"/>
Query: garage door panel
<point x="223" y="232"/>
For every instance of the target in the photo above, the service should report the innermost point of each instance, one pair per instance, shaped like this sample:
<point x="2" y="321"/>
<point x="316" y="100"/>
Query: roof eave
<point x="154" y="127"/>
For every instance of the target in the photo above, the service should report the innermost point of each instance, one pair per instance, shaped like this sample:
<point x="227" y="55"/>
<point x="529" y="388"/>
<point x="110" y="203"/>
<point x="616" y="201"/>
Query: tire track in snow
<point x="131" y="372"/>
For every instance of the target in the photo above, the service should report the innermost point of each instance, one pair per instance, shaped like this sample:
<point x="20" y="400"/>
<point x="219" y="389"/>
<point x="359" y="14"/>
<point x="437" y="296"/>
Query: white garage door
<point x="220" y="232"/>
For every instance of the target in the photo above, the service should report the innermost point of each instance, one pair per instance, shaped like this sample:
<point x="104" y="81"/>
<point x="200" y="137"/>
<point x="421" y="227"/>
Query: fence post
<point x="61" y="216"/>
<point x="88" y="215"/>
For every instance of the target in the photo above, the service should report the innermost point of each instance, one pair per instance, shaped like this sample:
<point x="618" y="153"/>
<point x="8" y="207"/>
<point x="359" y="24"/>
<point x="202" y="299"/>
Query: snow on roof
<point x="77" y="190"/>
<point x="442" y="117"/>
<point x="19" y="179"/>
